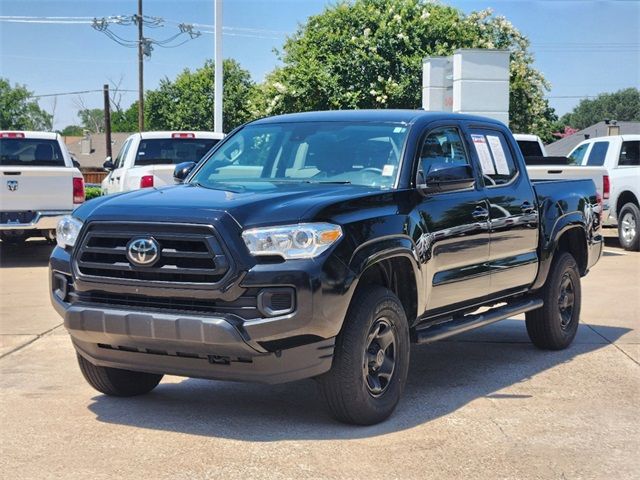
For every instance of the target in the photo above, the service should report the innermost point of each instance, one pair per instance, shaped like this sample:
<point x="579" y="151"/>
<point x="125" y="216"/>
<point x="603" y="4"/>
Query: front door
<point x="455" y="240"/>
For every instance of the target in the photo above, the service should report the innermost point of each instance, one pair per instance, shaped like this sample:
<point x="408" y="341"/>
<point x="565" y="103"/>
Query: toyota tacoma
<point x="322" y="245"/>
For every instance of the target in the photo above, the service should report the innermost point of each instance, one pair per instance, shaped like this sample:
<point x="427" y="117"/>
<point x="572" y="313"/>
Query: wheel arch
<point x="625" y="197"/>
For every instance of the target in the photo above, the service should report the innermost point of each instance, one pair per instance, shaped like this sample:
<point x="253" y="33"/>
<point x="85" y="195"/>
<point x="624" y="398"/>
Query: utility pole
<point x="140" y="69"/>
<point x="218" y="79"/>
<point x="107" y="120"/>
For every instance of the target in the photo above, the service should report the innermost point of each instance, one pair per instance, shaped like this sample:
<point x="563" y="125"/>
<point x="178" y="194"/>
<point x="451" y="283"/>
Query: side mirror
<point x="182" y="170"/>
<point x="108" y="164"/>
<point x="442" y="177"/>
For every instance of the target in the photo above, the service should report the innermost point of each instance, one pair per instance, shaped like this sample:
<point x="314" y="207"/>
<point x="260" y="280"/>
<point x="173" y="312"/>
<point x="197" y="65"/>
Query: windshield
<point x="30" y="152"/>
<point x="362" y="153"/>
<point x="167" y="151"/>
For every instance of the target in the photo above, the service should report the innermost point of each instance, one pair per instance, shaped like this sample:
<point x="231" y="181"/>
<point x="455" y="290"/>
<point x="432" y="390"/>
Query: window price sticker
<point x="498" y="155"/>
<point x="482" y="150"/>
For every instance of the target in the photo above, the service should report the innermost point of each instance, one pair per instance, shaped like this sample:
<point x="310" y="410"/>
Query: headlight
<point x="304" y="240"/>
<point x="67" y="231"/>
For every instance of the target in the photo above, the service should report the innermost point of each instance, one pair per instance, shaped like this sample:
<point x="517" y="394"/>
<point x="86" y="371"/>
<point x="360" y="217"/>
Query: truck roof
<point x="527" y="137"/>
<point x="396" y="116"/>
<point x="28" y="134"/>
<point x="172" y="134"/>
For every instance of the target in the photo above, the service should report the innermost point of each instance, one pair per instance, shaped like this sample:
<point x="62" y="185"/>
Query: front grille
<point x="189" y="254"/>
<point x="243" y="307"/>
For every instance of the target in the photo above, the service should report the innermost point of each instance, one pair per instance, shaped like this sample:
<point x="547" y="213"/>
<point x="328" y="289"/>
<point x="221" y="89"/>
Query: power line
<point x="79" y="92"/>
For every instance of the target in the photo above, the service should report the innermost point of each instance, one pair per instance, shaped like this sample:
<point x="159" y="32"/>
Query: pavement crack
<point x="616" y="346"/>
<point x="37" y="337"/>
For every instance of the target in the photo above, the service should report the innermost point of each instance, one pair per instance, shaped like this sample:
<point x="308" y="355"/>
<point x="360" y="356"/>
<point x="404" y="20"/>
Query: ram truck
<point x="40" y="184"/>
<point x="321" y="245"/>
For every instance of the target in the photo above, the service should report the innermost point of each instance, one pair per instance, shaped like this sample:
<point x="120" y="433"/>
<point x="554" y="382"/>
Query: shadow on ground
<point x="443" y="377"/>
<point x="33" y="253"/>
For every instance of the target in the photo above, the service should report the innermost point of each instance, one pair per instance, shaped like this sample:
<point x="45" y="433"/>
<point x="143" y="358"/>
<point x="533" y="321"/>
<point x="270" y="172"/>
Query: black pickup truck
<point x="321" y="245"/>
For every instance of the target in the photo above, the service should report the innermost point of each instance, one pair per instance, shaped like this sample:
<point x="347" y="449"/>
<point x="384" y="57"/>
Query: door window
<point x="577" y="155"/>
<point x="630" y="154"/>
<point x="122" y="154"/>
<point x="442" y="147"/>
<point x="598" y="154"/>
<point x="497" y="163"/>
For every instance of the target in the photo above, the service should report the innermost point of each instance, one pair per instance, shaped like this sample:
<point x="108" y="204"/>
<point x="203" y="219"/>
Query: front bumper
<point x="42" y="220"/>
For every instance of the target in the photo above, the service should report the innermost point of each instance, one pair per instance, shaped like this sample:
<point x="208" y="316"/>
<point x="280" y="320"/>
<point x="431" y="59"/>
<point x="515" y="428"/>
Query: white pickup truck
<point x="541" y="166"/>
<point x="40" y="184"/>
<point x="620" y="157"/>
<point x="148" y="159"/>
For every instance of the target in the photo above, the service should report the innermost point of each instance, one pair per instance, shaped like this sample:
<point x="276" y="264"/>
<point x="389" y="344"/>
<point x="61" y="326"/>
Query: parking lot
<point x="483" y="405"/>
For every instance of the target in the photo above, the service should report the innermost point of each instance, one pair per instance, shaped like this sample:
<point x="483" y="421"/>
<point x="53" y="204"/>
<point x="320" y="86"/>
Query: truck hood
<point x="251" y="204"/>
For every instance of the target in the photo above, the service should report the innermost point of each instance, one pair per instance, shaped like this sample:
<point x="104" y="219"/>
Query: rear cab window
<point x="168" y="151"/>
<point x="530" y="148"/>
<point x="629" y="154"/>
<point x="494" y="155"/>
<point x="576" y="157"/>
<point x="598" y="154"/>
<point x="30" y="152"/>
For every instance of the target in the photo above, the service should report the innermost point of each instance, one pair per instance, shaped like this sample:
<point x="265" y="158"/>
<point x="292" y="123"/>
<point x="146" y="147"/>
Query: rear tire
<point x="117" y="382"/>
<point x="371" y="359"/>
<point x="629" y="227"/>
<point x="554" y="325"/>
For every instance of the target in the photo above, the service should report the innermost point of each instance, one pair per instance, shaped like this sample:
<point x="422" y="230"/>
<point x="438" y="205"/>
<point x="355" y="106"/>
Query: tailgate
<point x="163" y="174"/>
<point x="573" y="172"/>
<point x="36" y="188"/>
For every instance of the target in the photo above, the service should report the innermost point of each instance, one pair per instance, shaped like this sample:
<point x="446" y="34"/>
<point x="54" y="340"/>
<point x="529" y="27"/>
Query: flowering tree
<point x="369" y="53"/>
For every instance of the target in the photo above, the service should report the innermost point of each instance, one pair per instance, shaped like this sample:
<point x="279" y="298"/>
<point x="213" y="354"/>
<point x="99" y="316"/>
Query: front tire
<point x="371" y="359"/>
<point x="554" y="325"/>
<point x="116" y="382"/>
<point x="629" y="227"/>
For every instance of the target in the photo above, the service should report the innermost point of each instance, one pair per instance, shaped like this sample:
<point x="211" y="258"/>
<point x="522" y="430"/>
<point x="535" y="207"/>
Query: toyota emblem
<point x="143" y="252"/>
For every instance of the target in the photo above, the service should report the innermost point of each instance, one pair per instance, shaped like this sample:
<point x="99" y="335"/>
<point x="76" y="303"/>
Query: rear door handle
<point x="527" y="207"/>
<point x="480" y="213"/>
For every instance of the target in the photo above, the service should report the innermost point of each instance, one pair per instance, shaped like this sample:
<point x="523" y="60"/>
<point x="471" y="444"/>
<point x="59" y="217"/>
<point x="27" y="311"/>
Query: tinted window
<point x="577" y="155"/>
<point x="30" y="152"/>
<point x="122" y="154"/>
<point x="160" y="151"/>
<point x="364" y="153"/>
<point x="630" y="154"/>
<point x="494" y="155"/>
<point x="597" y="154"/>
<point x="442" y="147"/>
<point x="530" y="148"/>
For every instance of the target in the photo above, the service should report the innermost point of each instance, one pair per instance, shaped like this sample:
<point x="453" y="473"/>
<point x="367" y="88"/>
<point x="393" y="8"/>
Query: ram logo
<point x="12" y="185"/>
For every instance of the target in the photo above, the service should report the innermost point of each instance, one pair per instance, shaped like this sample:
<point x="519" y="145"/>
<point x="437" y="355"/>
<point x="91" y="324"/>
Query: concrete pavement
<point x="484" y="405"/>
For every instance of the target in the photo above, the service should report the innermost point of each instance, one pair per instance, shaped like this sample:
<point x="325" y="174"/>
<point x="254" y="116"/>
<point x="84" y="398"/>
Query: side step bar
<point x="454" y="326"/>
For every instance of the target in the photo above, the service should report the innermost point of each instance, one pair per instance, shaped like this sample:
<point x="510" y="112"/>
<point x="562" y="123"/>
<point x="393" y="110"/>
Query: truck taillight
<point x="11" y="135"/>
<point x="606" y="187"/>
<point x="78" y="189"/>
<point x="146" y="181"/>
<point x="183" y="135"/>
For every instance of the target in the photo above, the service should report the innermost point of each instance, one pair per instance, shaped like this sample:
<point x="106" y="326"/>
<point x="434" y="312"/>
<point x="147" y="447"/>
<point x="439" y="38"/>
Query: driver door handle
<point x="480" y="213"/>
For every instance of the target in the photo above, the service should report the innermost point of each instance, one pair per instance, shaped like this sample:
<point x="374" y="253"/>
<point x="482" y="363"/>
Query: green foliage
<point x="92" y="119"/>
<point x="92" y="192"/>
<point x="623" y="105"/>
<point x="18" y="111"/>
<point x="186" y="103"/>
<point x="125" y="120"/>
<point x="369" y="53"/>
<point x="72" y="131"/>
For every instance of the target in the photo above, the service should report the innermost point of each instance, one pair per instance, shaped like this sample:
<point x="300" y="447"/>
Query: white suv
<point x="148" y="159"/>
<point x="620" y="155"/>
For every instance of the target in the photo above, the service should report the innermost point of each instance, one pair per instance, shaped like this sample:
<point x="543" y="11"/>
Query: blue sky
<point x="582" y="47"/>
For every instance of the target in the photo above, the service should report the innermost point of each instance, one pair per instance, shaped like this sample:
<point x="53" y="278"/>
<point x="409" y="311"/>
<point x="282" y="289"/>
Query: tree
<point x="623" y="105"/>
<point x="186" y="103"/>
<point x="92" y="119"/>
<point x="72" y="131"/>
<point x="369" y="54"/>
<point x="125" y="120"/>
<point x="19" y="111"/>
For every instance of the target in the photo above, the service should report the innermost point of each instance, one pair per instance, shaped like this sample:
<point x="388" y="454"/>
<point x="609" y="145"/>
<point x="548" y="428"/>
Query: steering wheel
<point x="491" y="180"/>
<point x="373" y="170"/>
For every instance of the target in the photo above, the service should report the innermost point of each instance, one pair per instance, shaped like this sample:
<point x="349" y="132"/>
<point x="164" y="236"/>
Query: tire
<point x="117" y="382"/>
<point x="629" y="227"/>
<point x="554" y="325"/>
<point x="375" y="318"/>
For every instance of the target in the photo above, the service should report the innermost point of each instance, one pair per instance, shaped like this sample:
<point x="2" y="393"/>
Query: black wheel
<point x="117" y="382"/>
<point x="371" y="359"/>
<point x="628" y="227"/>
<point x="554" y="325"/>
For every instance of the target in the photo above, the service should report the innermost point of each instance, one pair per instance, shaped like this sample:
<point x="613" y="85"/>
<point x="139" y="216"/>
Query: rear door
<point x="455" y="242"/>
<point x="513" y="220"/>
<point x="34" y="175"/>
<point x="113" y="181"/>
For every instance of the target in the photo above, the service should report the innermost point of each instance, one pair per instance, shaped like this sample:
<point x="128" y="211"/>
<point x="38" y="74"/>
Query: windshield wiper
<point x="335" y="182"/>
